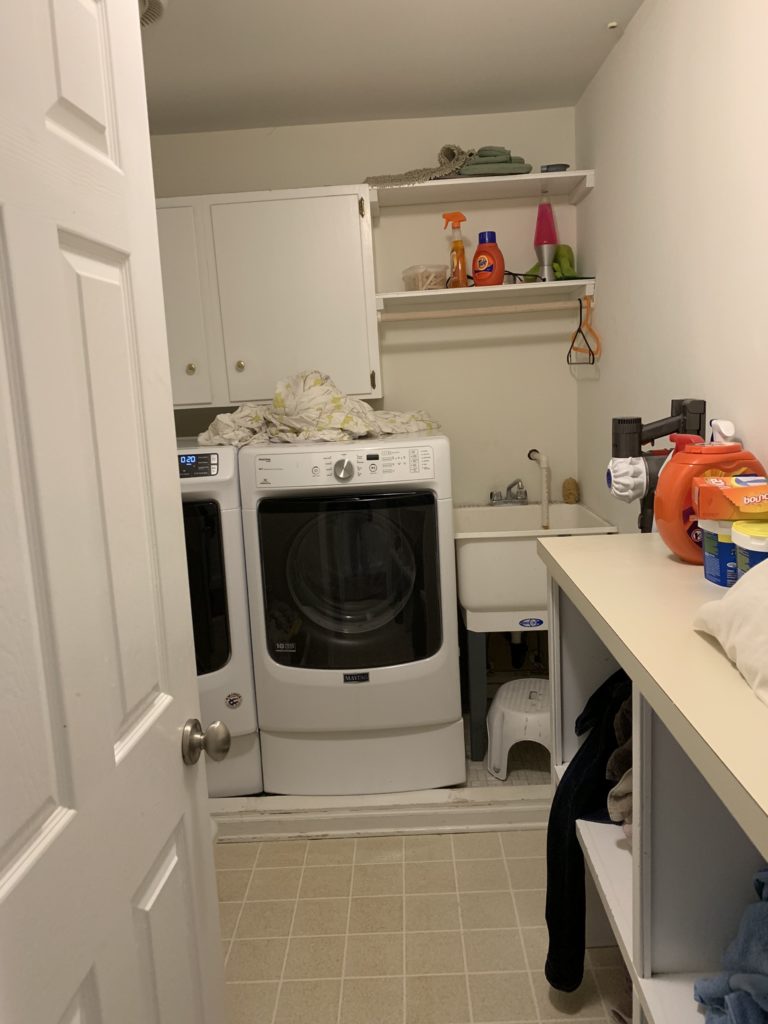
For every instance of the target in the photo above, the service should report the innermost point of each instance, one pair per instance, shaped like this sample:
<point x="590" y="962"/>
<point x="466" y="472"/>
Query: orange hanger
<point x="591" y="349"/>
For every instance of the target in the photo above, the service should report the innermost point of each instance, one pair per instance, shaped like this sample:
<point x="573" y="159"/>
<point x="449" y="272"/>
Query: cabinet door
<point x="296" y="291"/>
<point x="180" y="261"/>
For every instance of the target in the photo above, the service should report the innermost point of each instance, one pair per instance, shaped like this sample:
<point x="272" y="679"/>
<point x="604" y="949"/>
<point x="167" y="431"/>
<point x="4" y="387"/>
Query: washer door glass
<point x="351" y="574"/>
<point x="350" y="582"/>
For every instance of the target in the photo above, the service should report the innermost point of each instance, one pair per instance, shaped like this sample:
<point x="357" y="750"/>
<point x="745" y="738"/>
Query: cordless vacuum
<point x="633" y="473"/>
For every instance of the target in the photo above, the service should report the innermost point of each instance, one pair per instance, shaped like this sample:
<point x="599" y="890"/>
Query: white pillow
<point x="739" y="622"/>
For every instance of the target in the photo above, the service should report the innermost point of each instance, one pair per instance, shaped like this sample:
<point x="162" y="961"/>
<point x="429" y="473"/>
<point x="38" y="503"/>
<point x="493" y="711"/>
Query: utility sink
<point x="502" y="583"/>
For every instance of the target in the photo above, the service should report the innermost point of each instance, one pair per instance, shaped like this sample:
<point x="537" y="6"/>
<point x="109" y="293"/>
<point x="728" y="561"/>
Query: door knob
<point x="191" y="368"/>
<point x="215" y="741"/>
<point x="240" y="365"/>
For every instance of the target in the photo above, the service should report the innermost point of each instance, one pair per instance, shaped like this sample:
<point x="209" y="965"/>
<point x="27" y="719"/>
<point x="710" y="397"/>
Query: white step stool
<point x="519" y="711"/>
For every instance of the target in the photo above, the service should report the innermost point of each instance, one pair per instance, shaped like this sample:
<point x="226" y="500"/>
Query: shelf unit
<point x="450" y="303"/>
<point x="512" y="194"/>
<point x="571" y="185"/>
<point x="700" y="792"/>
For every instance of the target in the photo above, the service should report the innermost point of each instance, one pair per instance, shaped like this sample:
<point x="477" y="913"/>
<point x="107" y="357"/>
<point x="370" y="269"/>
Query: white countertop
<point x="641" y="601"/>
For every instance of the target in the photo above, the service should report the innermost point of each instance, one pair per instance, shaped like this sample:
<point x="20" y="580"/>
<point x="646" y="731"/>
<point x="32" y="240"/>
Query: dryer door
<point x="351" y="582"/>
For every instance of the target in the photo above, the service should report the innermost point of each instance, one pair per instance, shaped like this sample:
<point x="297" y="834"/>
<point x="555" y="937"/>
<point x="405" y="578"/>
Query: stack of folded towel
<point x="493" y="160"/>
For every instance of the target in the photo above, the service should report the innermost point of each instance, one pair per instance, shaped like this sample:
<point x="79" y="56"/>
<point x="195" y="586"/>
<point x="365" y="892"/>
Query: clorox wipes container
<point x="751" y="542"/>
<point x="673" y="508"/>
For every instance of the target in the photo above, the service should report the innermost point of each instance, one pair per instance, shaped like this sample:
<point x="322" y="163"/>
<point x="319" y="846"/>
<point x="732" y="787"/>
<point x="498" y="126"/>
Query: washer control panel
<point x="202" y="464"/>
<point x="356" y="466"/>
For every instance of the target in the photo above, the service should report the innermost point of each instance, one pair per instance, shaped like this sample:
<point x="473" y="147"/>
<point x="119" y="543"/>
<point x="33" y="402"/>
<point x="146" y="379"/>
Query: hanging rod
<point x="453" y="314"/>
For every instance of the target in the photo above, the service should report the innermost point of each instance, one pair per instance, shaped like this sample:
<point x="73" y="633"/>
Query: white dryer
<point x="213" y="532"/>
<point x="351" y="576"/>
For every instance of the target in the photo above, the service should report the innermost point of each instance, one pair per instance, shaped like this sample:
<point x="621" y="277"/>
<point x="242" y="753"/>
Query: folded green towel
<point x="499" y="153"/>
<point x="480" y="160"/>
<point x="481" y="170"/>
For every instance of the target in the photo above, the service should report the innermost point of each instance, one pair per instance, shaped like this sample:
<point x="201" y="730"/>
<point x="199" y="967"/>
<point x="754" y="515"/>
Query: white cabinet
<point x="285" y="283"/>
<point x="180" y="258"/>
<point x="700" y="804"/>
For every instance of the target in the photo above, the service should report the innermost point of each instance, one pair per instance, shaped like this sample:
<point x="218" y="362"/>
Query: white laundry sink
<point x="502" y="583"/>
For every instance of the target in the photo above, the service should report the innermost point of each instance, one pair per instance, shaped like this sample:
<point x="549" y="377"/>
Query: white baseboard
<point x="477" y="809"/>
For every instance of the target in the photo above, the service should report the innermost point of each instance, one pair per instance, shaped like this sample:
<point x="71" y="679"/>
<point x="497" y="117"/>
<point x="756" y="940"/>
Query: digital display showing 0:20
<point x="205" y="464"/>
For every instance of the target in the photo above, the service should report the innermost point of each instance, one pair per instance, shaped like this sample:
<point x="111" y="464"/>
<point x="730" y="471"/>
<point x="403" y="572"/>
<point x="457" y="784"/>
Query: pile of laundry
<point x="740" y="994"/>
<point x="309" y="407"/>
<point x="493" y="160"/>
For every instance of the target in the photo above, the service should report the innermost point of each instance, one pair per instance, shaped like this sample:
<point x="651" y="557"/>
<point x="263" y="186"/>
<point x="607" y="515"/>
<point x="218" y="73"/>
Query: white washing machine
<point x="213" y="532"/>
<point x="351" y="576"/>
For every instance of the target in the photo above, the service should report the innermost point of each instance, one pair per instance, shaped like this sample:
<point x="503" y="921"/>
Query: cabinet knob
<point x="191" y="368"/>
<point x="240" y="365"/>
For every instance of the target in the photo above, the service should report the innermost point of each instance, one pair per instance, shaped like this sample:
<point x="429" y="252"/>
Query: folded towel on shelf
<point x="497" y="152"/>
<point x="500" y="157"/>
<point x="480" y="170"/>
<point x="620" y="803"/>
<point x="620" y="760"/>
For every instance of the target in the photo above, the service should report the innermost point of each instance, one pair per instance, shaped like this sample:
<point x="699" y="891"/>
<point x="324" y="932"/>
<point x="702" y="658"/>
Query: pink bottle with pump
<point x="488" y="261"/>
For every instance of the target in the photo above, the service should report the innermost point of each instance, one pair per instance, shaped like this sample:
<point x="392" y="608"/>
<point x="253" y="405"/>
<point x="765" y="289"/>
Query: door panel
<point x="185" y="320"/>
<point x="96" y="657"/>
<point x="293" y="292"/>
<point x="170" y="987"/>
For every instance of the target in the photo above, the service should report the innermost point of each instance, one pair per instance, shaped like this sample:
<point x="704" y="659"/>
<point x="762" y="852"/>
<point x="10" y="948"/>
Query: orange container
<point x="673" y="509"/>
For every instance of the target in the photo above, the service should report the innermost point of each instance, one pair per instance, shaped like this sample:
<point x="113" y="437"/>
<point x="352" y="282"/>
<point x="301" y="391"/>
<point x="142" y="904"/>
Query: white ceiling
<point x="219" y="64"/>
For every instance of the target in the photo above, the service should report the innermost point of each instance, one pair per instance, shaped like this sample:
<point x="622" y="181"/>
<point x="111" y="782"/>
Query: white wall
<point x="302" y="156"/>
<point x="498" y="386"/>
<point x="675" y="125"/>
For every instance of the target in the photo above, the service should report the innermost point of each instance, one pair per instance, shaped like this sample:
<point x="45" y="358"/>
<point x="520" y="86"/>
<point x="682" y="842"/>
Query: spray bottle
<point x="458" y="275"/>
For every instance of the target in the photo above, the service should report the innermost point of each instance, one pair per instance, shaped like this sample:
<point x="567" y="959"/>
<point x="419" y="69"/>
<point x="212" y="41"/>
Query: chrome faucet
<point x="516" y="494"/>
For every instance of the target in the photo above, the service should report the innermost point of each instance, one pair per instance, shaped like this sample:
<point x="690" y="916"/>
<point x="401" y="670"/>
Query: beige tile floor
<point x="437" y="929"/>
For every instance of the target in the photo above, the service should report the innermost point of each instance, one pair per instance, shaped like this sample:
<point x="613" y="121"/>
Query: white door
<point x="106" y="882"/>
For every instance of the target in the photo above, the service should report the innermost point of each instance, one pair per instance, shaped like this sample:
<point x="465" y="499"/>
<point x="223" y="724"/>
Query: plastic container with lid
<point x="719" y="551"/>
<point x="488" y="261"/>
<point x="751" y="541"/>
<point x="423" y="277"/>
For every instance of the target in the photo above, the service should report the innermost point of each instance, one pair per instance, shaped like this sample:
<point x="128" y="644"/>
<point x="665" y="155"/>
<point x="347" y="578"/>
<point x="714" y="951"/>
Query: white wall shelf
<point x="572" y="185"/>
<point x="499" y="300"/>
<point x="609" y="857"/>
<point x="545" y="290"/>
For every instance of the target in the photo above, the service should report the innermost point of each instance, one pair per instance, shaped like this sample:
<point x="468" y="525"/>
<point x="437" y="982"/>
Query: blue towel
<point x="740" y="994"/>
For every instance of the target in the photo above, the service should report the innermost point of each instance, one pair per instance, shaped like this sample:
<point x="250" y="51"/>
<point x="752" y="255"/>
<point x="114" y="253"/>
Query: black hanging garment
<point x="582" y="793"/>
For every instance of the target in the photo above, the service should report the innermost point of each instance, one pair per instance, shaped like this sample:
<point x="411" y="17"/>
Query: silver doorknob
<point x="343" y="469"/>
<point x="215" y="741"/>
<point x="191" y="368"/>
<point x="240" y="365"/>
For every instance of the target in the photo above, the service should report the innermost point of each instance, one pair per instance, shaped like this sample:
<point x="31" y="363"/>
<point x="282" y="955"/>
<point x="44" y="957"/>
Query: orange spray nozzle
<point x="454" y="219"/>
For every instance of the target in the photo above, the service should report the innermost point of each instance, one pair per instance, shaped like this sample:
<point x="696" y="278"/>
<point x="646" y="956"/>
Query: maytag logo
<point x="531" y="623"/>
<point x="357" y="677"/>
